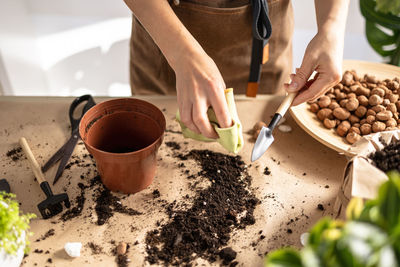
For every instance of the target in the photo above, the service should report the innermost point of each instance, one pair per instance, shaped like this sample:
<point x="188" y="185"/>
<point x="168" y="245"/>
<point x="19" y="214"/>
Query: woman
<point x="201" y="47"/>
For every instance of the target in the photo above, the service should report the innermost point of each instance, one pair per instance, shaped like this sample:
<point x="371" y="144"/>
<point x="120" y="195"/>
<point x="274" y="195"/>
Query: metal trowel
<point x="265" y="138"/>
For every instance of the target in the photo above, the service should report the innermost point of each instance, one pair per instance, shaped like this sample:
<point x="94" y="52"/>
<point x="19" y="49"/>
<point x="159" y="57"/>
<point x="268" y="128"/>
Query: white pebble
<point x="284" y="128"/>
<point x="73" y="249"/>
<point x="218" y="171"/>
<point x="304" y="238"/>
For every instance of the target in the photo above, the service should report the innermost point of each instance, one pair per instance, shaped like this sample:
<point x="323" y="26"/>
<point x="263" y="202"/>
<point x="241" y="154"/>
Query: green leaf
<point x="389" y="199"/>
<point x="283" y="258"/>
<point x="388" y="6"/>
<point x="368" y="10"/>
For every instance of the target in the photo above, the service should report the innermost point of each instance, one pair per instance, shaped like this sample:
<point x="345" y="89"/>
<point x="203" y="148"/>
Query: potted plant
<point x="382" y="27"/>
<point x="13" y="231"/>
<point x="370" y="236"/>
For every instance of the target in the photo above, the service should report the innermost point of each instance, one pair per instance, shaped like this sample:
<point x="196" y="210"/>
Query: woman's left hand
<point x="323" y="55"/>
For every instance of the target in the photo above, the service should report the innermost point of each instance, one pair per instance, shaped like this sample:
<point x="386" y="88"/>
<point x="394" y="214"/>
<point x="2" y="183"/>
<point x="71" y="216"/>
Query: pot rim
<point x="154" y="144"/>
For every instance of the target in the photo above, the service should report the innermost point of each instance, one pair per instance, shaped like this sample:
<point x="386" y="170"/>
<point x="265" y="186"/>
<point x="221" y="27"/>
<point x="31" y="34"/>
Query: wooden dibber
<point x="52" y="205"/>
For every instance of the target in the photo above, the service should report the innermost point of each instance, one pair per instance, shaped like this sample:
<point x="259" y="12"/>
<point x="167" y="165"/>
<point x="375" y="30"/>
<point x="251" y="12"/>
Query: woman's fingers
<point x="201" y="121"/>
<point x="218" y="103"/>
<point x="186" y="117"/>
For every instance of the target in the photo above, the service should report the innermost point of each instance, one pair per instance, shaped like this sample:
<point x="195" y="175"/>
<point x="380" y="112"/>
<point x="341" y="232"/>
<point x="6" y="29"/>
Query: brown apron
<point x="223" y="29"/>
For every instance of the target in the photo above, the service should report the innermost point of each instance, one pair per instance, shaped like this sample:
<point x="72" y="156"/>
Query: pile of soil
<point x="388" y="158"/>
<point x="80" y="202"/>
<point x="205" y="229"/>
<point x="49" y="233"/>
<point x="15" y="153"/>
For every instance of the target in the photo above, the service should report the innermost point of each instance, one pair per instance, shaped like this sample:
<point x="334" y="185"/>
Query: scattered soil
<point x="80" y="202"/>
<point x="15" y="153"/>
<point x="227" y="255"/>
<point x="206" y="227"/>
<point x="49" y="233"/>
<point x="321" y="207"/>
<point x="50" y="260"/>
<point x="388" y="158"/>
<point x="96" y="249"/>
<point x="156" y="193"/>
<point x="173" y="145"/>
<point x="38" y="251"/>
<point x="267" y="171"/>
<point x="123" y="260"/>
<point x="107" y="204"/>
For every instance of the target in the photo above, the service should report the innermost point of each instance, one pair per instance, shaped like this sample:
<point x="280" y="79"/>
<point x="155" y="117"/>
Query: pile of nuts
<point x="359" y="106"/>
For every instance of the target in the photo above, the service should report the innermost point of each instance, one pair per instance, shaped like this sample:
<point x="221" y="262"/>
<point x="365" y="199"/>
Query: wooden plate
<point x="308" y="120"/>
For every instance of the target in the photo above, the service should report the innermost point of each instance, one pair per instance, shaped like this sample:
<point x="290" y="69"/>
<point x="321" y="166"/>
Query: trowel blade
<point x="264" y="140"/>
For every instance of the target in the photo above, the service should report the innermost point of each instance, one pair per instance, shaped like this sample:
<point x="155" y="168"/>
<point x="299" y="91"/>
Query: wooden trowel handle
<point x="31" y="158"/>
<point x="286" y="103"/>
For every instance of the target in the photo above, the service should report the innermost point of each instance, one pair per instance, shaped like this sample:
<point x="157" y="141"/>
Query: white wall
<point x="71" y="47"/>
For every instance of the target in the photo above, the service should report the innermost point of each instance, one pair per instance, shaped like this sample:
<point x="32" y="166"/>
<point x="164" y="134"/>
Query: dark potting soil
<point x="156" y="193"/>
<point x="123" y="260"/>
<point x="15" y="153"/>
<point x="96" y="249"/>
<point x="388" y="158"/>
<point x="49" y="233"/>
<point x="206" y="227"/>
<point x="80" y="202"/>
<point x="173" y="145"/>
<point x="321" y="207"/>
<point x="267" y="171"/>
<point x="107" y="204"/>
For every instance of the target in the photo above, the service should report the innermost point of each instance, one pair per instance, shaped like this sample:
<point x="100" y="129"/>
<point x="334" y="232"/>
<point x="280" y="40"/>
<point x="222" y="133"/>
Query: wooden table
<point x="304" y="173"/>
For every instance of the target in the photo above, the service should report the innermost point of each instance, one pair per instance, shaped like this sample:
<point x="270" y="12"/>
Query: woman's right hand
<point x="199" y="85"/>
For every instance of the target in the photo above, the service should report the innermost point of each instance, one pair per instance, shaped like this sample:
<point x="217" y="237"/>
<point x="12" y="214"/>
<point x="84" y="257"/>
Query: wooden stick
<point x="31" y="158"/>
<point x="286" y="103"/>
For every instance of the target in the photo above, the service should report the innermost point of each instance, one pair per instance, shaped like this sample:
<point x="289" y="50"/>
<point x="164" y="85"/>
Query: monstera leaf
<point x="383" y="27"/>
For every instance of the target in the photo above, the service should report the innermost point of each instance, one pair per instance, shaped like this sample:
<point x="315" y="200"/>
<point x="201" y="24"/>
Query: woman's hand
<point x="323" y="55"/>
<point x="199" y="85"/>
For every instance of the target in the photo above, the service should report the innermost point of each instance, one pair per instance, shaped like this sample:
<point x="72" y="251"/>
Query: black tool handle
<point x="4" y="186"/>
<point x="89" y="103"/>
<point x="275" y="120"/>
<point x="46" y="189"/>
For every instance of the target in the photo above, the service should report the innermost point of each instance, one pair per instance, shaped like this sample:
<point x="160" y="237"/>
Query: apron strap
<point x="259" y="53"/>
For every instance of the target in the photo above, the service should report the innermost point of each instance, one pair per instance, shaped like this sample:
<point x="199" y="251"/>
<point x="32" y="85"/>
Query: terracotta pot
<point x="124" y="135"/>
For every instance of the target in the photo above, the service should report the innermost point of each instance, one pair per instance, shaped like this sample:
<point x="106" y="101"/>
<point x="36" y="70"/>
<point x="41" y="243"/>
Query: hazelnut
<point x="370" y="78"/>
<point x="343" y="102"/>
<point x="121" y="248"/>
<point x="354" y="130"/>
<point x="360" y="111"/>
<point x="370" y="119"/>
<point x="352" y="137"/>
<point x="356" y="125"/>
<point x="392" y="107"/>
<point x="375" y="100"/>
<point x="393" y="98"/>
<point x="391" y="123"/>
<point x="314" y="107"/>
<point x="363" y="100"/>
<point x="352" y="104"/>
<point x="386" y="102"/>
<point x="365" y="128"/>
<point x="384" y="115"/>
<point x="345" y="124"/>
<point x="393" y="85"/>
<point x="329" y="123"/>
<point x="355" y="75"/>
<point x="338" y="86"/>
<point x="378" y="108"/>
<point x="378" y="126"/>
<point x="353" y="119"/>
<point x="363" y="121"/>
<point x="363" y="91"/>
<point x="324" y="113"/>
<point x="334" y="105"/>
<point x="351" y="95"/>
<point x="378" y="91"/>
<point x="324" y="101"/>
<point x="341" y="113"/>
<point x="342" y="130"/>
<point x="370" y="112"/>
<point x="347" y="78"/>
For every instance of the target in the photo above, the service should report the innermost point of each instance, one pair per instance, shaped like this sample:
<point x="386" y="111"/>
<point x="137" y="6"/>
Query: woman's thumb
<point x="300" y="78"/>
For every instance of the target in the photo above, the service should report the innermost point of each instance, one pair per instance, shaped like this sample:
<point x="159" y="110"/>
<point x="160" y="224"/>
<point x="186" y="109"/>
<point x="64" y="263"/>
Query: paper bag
<point x="361" y="178"/>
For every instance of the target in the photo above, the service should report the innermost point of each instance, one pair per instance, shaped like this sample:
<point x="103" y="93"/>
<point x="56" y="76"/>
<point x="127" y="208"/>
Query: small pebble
<point x="73" y="249"/>
<point x="285" y="128"/>
<point x="121" y="248"/>
<point x="304" y="238"/>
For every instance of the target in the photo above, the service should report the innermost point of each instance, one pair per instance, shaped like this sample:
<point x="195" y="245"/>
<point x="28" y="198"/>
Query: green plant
<point x="12" y="224"/>
<point x="383" y="27"/>
<point x="370" y="237"/>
